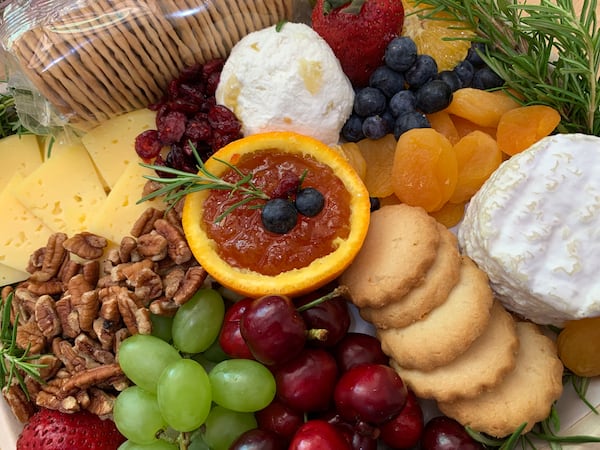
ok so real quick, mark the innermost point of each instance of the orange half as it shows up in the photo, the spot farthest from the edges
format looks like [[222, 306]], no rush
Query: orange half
[[296, 281]]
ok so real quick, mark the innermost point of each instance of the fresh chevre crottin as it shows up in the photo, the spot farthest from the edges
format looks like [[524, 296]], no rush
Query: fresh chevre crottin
[[534, 227], [286, 79]]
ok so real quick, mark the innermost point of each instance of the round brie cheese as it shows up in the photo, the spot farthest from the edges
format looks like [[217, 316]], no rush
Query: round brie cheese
[[286, 79], [534, 227]]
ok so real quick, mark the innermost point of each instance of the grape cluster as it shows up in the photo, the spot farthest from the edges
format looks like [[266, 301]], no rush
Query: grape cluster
[[188, 117], [408, 86]]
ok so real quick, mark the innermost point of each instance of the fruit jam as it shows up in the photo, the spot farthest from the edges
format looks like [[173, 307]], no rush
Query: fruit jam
[[243, 242]]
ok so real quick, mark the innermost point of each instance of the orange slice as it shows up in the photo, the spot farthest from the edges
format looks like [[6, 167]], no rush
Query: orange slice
[[241, 254], [445, 40]]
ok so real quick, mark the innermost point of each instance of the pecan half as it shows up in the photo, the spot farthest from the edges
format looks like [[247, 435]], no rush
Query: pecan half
[[193, 280], [145, 223], [178, 248], [46, 316], [54, 256], [86, 245]]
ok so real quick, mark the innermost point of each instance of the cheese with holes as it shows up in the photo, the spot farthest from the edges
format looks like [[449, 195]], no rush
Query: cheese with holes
[[8, 275], [64, 191], [18, 154], [21, 232], [111, 144], [115, 217], [534, 227]]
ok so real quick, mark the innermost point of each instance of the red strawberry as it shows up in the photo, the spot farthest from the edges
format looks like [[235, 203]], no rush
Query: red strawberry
[[358, 31], [54, 430]]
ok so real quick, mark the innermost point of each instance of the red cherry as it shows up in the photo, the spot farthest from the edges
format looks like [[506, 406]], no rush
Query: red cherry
[[444, 433], [273, 329], [371, 393], [331, 315], [358, 348], [306, 383], [230, 337], [280, 418], [404, 430], [318, 435]]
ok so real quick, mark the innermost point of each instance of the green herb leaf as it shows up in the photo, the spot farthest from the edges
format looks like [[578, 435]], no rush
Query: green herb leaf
[[548, 53]]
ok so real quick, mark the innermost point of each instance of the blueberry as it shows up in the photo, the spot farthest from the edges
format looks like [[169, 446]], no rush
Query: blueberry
[[473, 55], [450, 78], [424, 69], [400, 54], [279, 216], [408, 121], [464, 70], [433, 96], [352, 129], [387, 80], [375, 127], [375, 203], [486, 78], [369, 101], [309, 201], [403, 102]]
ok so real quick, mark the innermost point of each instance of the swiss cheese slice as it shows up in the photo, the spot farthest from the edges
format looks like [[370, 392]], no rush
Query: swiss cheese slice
[[111, 144], [64, 191], [21, 232], [18, 153], [120, 210], [8, 275]]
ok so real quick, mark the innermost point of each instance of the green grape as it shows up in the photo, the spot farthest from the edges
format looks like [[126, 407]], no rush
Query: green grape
[[156, 445], [197, 323], [242, 385], [184, 395], [137, 415], [215, 353], [223, 426], [161, 327], [143, 358]]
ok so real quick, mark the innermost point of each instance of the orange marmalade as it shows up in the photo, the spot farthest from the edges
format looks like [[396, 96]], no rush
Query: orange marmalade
[[242, 240]]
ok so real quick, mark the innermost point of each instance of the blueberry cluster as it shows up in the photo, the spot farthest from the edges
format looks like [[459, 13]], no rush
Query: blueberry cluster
[[407, 87], [280, 215]]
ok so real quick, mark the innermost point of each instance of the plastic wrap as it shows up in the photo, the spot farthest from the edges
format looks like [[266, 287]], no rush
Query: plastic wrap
[[82, 62]]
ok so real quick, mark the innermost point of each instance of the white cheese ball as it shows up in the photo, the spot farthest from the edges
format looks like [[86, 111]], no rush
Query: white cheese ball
[[534, 227], [286, 80]]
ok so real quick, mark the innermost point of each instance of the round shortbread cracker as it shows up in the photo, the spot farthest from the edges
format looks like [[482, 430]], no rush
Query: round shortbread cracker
[[482, 366], [448, 330], [525, 395], [400, 247], [439, 280]]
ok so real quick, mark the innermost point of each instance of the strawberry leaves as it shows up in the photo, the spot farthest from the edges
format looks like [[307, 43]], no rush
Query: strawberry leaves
[[354, 7]]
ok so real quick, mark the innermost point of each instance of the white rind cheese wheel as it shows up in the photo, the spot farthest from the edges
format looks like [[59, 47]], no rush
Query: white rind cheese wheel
[[534, 227]]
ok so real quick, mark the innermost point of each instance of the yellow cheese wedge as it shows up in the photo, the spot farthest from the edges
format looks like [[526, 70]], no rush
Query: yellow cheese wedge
[[21, 232], [111, 144], [63, 191], [8, 275], [116, 216], [18, 153]]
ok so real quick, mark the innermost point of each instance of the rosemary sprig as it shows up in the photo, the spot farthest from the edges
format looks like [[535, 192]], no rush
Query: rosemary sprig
[[184, 183], [14, 362], [9, 120], [548, 53]]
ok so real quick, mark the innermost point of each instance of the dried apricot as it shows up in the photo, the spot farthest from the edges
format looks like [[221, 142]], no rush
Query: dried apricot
[[450, 214], [464, 127], [378, 155], [579, 346], [351, 152], [477, 155], [425, 170], [522, 127], [442, 122], [481, 107]]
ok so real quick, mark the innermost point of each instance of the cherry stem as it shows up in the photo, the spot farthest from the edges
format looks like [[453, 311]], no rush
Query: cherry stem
[[340, 291]]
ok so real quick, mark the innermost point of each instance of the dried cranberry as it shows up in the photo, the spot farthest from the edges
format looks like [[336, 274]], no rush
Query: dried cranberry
[[183, 105], [287, 187], [212, 66], [147, 144], [191, 73], [220, 140], [212, 82], [172, 127], [195, 93], [179, 159], [160, 162], [223, 119], [173, 88], [198, 129]]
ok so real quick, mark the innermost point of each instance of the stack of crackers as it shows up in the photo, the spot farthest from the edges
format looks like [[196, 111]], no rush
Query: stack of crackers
[[98, 59], [447, 337]]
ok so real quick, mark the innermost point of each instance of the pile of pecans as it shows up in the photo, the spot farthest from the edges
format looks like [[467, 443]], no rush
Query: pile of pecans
[[84, 298]]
